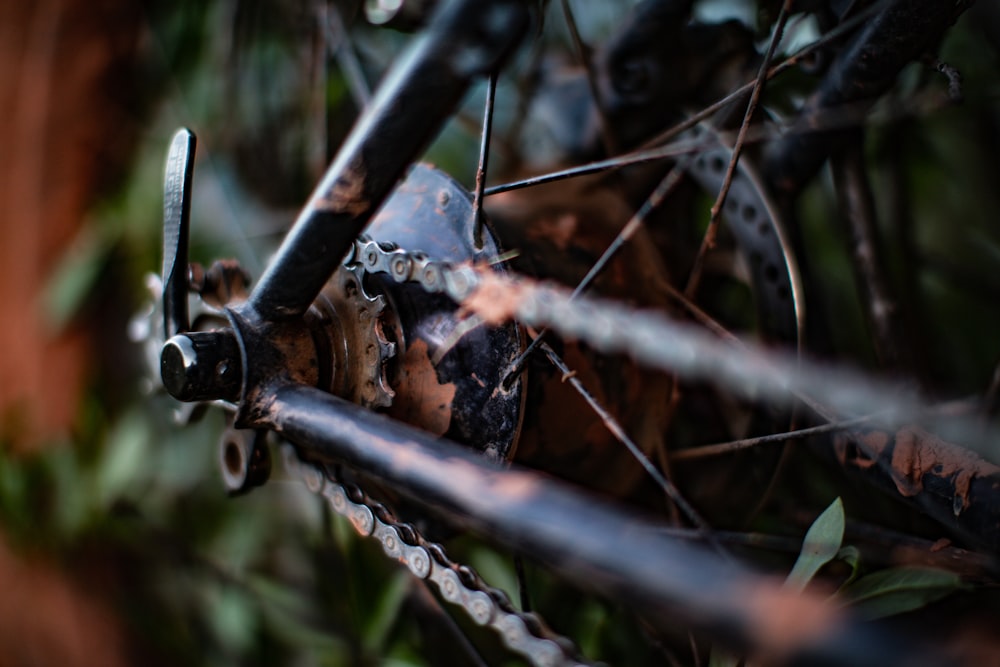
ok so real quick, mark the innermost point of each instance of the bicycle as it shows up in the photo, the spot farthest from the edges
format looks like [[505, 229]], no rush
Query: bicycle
[[389, 300]]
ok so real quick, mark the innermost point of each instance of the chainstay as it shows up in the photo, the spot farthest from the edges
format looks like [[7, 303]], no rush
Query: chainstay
[[524, 633]]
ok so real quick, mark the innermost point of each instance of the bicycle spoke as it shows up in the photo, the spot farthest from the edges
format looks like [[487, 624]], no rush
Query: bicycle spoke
[[342, 49], [484, 155], [665, 186], [393, 131], [700, 316], [842, 30], [848, 115], [668, 487], [661, 192], [656, 147], [678, 149], [765, 375], [708, 242], [639, 402]]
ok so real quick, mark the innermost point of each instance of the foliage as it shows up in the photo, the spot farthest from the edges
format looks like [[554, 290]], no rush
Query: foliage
[[270, 578], [820, 546]]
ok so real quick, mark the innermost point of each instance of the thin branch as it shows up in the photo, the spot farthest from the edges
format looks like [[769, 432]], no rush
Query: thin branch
[[708, 242], [857, 205], [954, 80], [649, 152], [756, 540], [746, 443], [522, 583]]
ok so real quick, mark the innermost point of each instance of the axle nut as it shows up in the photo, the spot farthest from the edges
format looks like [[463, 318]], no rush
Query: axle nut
[[202, 366]]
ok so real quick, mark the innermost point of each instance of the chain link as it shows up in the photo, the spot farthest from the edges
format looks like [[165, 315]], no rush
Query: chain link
[[523, 633], [434, 276], [755, 371]]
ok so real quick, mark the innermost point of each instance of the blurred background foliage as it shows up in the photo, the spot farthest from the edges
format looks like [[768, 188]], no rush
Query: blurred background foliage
[[126, 509]]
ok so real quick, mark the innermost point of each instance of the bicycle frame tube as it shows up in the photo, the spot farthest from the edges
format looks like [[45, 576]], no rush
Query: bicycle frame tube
[[466, 39], [863, 71], [584, 539]]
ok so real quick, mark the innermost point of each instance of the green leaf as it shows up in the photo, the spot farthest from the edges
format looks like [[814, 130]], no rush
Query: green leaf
[[494, 568], [279, 596], [592, 620], [71, 502], [852, 557], [898, 590], [389, 607], [122, 465], [290, 613], [232, 618], [820, 546]]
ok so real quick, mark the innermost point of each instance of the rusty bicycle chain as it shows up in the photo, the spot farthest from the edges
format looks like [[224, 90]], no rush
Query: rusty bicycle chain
[[523, 633], [615, 328], [405, 266], [597, 322]]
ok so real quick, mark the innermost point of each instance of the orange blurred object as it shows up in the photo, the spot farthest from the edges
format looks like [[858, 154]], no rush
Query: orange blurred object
[[64, 84], [45, 619]]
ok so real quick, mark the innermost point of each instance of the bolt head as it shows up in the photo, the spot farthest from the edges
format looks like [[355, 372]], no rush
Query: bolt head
[[202, 366]]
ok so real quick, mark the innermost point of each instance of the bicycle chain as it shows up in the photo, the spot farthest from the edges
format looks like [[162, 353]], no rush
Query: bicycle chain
[[404, 266], [523, 633]]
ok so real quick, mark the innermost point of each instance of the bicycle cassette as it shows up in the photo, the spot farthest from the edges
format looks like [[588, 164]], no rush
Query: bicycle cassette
[[397, 345]]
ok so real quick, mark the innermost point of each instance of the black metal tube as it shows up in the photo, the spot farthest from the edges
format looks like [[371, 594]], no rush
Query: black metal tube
[[598, 546], [862, 72], [868, 258], [947, 482], [466, 39]]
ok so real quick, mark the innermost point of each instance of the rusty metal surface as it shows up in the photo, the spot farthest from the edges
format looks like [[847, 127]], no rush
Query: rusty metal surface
[[403, 334], [946, 481], [449, 386], [352, 324], [596, 545], [559, 231], [271, 353]]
